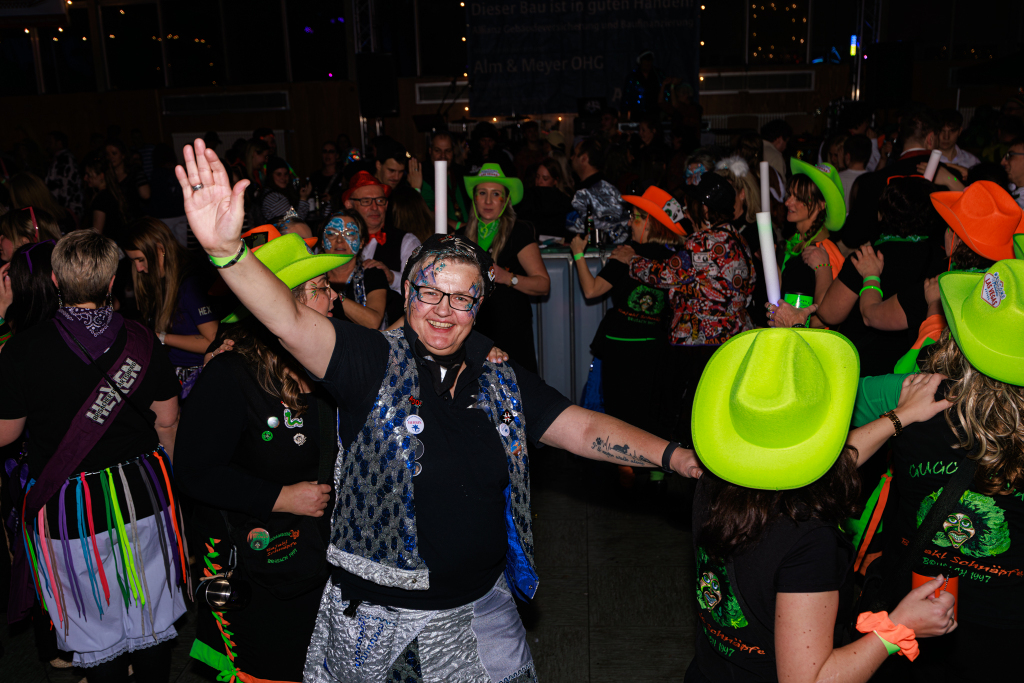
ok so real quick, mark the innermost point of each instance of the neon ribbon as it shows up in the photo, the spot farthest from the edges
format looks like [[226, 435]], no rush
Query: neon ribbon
[[95, 546], [159, 521], [168, 528], [90, 566], [29, 549], [174, 519], [138, 552], [122, 537], [65, 547], [115, 543], [51, 585], [42, 563], [51, 559]]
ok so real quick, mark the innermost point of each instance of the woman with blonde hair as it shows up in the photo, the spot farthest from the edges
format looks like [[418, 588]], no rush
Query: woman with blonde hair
[[519, 270], [28, 190], [748, 202], [25, 226], [171, 301]]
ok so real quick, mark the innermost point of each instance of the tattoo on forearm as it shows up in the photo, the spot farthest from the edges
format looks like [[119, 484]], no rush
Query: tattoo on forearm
[[620, 452]]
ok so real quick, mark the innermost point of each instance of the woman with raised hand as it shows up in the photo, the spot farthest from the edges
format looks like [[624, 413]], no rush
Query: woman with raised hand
[[260, 476], [437, 434], [773, 580]]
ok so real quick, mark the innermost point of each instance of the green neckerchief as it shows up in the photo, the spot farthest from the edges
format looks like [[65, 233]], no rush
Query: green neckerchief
[[791, 247], [486, 232], [894, 238]]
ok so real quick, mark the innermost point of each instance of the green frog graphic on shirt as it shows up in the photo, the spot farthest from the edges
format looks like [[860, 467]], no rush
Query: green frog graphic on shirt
[[975, 527], [714, 593]]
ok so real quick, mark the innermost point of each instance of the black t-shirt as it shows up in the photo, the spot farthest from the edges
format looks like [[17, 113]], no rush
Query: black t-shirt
[[981, 541], [460, 501], [862, 223], [373, 279], [46, 382], [114, 220], [797, 277], [639, 312], [546, 208], [907, 265], [738, 642], [506, 316]]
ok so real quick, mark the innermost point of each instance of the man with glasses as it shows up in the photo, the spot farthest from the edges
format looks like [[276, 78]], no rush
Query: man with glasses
[[388, 248], [432, 531], [1013, 162], [442, 148]]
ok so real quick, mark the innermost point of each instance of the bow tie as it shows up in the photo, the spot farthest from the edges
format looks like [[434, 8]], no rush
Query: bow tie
[[380, 236]]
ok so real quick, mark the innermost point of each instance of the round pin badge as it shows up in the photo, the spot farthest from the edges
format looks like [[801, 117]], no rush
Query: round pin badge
[[299, 439], [258, 538], [267, 436], [414, 424], [273, 422], [503, 429]]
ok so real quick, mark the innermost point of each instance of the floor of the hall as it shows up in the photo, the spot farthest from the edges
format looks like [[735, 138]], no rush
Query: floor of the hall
[[616, 598]]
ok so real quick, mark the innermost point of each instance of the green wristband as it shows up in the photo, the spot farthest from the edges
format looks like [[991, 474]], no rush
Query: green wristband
[[889, 647], [872, 278], [577, 257], [227, 261], [867, 287]]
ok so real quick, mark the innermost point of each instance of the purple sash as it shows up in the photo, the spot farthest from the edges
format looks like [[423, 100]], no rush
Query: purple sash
[[100, 409]]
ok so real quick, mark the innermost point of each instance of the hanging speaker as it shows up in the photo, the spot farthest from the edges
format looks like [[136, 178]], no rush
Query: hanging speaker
[[377, 77]]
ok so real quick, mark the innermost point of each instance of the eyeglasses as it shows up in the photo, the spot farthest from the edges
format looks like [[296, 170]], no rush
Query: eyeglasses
[[1013, 154], [366, 201], [29, 258], [432, 297]]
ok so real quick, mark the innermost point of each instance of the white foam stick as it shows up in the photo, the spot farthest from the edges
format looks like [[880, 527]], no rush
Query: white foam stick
[[765, 206], [441, 197], [933, 164], [771, 268]]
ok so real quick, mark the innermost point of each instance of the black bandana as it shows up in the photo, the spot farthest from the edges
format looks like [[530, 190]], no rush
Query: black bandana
[[435, 362]]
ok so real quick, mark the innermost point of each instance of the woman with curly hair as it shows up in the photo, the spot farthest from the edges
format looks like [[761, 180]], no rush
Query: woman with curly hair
[[254, 472], [773, 581], [171, 300], [981, 427]]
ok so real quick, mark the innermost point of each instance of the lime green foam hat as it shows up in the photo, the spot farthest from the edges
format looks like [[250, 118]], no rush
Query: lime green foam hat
[[1018, 246], [826, 177], [492, 173], [288, 258], [773, 407], [985, 313]]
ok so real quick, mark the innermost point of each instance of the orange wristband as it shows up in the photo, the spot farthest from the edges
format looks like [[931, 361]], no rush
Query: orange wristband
[[897, 634]]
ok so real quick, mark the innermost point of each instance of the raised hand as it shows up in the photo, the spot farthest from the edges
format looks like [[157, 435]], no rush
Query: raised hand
[[215, 210]]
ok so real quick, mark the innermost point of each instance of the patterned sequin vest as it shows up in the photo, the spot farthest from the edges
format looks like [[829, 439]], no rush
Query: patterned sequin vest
[[373, 527]]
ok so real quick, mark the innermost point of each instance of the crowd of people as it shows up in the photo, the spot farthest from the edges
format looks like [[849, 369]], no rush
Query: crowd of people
[[283, 402]]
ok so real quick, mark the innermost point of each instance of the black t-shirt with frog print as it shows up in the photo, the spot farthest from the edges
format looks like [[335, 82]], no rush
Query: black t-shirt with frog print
[[982, 539], [736, 600]]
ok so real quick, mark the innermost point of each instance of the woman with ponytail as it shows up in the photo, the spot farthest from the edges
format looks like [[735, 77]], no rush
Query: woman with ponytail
[[507, 318]]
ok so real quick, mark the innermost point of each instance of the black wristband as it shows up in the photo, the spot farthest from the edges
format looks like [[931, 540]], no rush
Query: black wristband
[[666, 457]]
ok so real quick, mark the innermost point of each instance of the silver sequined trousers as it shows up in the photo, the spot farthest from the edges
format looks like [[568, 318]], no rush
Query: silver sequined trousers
[[482, 642]]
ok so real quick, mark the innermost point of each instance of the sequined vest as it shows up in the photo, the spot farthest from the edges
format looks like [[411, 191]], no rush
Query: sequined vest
[[373, 527]]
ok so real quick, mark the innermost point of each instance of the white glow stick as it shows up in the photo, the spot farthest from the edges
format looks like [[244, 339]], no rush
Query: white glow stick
[[765, 197], [771, 268], [933, 164], [441, 197]]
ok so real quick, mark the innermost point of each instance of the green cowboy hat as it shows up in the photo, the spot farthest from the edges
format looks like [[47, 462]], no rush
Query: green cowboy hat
[[773, 407], [985, 312], [492, 173], [288, 259], [826, 177]]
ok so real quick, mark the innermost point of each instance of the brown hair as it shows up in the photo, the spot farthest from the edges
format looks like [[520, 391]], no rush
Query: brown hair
[[738, 516], [657, 233], [99, 163], [807, 193], [157, 296], [555, 169], [28, 190], [411, 215], [987, 416], [17, 224], [84, 263]]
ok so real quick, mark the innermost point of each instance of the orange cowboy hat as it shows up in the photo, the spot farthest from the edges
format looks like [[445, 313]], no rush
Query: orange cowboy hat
[[254, 237], [660, 204], [984, 216]]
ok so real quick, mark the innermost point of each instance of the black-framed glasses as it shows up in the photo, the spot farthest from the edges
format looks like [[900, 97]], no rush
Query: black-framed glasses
[[29, 258], [1013, 154], [432, 297], [366, 201]]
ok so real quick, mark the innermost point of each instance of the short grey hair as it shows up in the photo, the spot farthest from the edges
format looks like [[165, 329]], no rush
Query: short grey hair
[[84, 263]]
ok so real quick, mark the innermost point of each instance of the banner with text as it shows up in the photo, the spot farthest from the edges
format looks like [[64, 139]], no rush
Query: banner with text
[[542, 57]]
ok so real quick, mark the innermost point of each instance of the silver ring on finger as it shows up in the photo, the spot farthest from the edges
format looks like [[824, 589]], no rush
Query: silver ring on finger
[[196, 188]]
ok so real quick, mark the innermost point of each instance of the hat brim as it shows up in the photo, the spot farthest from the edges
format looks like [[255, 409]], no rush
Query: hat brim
[[1018, 246], [737, 460], [294, 274], [513, 185], [955, 287], [656, 211], [835, 204], [943, 203]]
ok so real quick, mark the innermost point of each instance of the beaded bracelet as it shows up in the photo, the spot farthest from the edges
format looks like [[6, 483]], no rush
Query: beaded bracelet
[[822, 265], [873, 278], [225, 262], [867, 287]]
